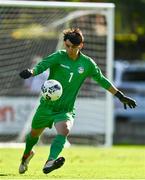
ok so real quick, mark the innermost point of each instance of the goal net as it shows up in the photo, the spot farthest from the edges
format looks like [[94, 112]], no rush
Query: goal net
[[30, 30]]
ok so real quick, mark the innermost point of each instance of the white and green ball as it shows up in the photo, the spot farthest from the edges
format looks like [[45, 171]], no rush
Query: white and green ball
[[51, 90]]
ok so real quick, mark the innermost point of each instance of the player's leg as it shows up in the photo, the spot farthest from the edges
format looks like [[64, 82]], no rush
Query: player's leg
[[31, 140], [63, 129], [39, 122]]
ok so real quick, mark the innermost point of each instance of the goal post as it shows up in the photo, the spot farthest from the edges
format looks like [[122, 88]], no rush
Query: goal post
[[30, 30]]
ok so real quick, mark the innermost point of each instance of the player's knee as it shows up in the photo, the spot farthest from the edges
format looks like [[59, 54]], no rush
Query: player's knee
[[65, 131], [62, 128], [35, 132]]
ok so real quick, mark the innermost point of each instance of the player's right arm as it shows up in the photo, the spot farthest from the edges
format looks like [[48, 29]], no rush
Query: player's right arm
[[25, 74], [42, 66]]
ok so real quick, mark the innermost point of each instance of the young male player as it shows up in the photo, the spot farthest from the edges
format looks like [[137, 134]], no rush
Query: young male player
[[70, 67]]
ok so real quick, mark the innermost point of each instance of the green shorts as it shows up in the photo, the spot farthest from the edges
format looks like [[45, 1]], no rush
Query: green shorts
[[45, 117]]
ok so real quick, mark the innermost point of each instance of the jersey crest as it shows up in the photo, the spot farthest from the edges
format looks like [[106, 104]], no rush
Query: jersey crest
[[80, 70]]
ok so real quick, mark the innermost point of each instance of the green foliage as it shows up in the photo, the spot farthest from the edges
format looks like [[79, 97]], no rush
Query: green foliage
[[81, 163], [129, 29]]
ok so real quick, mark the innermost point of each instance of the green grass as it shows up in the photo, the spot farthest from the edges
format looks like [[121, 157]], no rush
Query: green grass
[[119, 162]]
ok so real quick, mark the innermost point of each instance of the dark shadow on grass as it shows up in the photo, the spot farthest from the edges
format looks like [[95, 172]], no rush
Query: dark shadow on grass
[[1, 174]]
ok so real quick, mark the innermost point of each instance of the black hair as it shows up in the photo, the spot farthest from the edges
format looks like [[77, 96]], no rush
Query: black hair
[[73, 35]]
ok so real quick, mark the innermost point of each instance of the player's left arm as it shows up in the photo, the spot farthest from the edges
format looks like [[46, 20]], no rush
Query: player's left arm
[[106, 84], [127, 101]]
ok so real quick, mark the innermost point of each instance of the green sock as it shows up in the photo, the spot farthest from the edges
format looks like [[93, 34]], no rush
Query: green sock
[[30, 142], [57, 146]]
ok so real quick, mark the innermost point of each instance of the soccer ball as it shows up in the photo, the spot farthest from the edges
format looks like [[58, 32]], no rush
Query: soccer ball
[[51, 90]]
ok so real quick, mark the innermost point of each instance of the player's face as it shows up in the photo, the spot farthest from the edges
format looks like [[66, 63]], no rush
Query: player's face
[[72, 49]]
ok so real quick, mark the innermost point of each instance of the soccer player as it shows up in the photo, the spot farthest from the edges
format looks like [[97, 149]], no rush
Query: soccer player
[[70, 67]]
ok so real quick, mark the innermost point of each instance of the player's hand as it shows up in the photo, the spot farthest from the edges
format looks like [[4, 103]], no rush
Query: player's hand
[[26, 73], [127, 101]]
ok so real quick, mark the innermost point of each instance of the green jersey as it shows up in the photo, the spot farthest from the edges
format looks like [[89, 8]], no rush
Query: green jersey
[[71, 74]]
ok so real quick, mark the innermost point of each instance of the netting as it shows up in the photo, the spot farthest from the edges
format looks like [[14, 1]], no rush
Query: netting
[[29, 33]]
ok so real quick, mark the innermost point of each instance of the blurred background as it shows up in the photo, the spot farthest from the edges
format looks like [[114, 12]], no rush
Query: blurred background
[[128, 63]]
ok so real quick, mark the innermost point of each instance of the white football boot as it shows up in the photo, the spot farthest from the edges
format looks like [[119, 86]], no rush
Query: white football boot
[[25, 161]]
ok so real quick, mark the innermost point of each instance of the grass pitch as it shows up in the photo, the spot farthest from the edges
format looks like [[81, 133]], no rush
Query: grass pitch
[[119, 162]]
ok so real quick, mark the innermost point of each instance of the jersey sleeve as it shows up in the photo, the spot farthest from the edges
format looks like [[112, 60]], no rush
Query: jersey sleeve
[[46, 63], [99, 77]]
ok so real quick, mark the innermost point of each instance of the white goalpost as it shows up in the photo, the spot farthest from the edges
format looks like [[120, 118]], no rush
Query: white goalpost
[[30, 30]]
